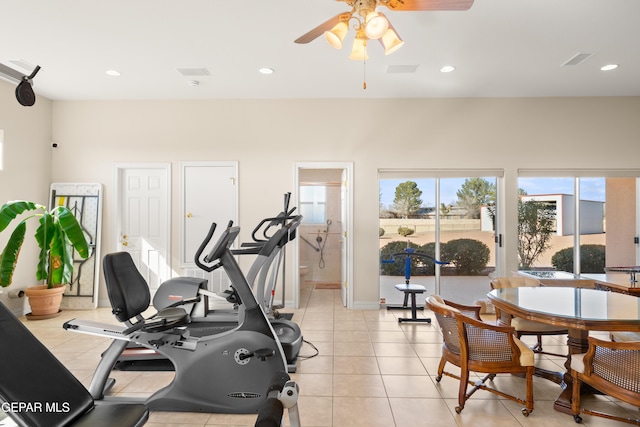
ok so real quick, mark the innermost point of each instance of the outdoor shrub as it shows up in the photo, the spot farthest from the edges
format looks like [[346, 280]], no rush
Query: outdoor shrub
[[429, 267], [405, 231], [397, 267], [468, 256], [380, 232], [592, 259]]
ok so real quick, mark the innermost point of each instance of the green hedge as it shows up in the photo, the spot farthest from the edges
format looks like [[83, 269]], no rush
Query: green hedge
[[469, 257], [592, 259], [405, 231]]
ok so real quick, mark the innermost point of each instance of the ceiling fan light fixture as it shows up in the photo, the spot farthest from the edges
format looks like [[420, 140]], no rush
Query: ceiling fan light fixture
[[391, 41], [359, 49], [336, 35], [375, 25]]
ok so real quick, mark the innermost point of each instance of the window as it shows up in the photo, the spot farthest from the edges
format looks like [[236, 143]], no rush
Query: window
[[313, 204], [593, 213]]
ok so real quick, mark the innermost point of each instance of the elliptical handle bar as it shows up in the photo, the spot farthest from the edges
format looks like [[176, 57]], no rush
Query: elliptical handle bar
[[281, 219], [203, 245]]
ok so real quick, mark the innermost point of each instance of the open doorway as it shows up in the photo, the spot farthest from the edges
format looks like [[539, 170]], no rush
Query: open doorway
[[323, 249]]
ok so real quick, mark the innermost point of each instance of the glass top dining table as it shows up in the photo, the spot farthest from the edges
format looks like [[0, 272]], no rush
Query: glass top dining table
[[580, 310], [574, 308]]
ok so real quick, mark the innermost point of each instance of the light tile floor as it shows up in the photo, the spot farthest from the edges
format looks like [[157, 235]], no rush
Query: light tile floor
[[370, 371]]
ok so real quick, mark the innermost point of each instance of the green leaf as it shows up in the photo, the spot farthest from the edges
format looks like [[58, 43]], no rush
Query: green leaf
[[9, 256], [57, 258], [10, 210], [57, 235], [72, 230], [44, 235]]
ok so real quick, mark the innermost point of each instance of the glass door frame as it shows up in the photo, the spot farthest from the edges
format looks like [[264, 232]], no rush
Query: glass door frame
[[438, 175]]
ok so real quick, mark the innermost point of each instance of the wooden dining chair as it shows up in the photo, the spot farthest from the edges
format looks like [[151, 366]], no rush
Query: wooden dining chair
[[613, 368], [476, 346], [526, 327]]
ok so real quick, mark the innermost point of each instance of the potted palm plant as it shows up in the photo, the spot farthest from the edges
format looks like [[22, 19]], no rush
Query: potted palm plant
[[57, 235]]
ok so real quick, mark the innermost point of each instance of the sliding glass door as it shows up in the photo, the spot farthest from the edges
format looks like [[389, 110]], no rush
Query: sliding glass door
[[578, 224], [451, 216]]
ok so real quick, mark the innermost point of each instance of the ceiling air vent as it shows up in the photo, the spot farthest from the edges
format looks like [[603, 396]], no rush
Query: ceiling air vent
[[401, 69], [578, 58], [190, 72]]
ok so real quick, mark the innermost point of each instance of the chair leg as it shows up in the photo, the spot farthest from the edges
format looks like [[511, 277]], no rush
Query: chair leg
[[441, 369], [538, 347], [575, 397], [529, 393], [462, 390]]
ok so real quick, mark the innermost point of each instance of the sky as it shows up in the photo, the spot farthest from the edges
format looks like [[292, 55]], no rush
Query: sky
[[590, 188]]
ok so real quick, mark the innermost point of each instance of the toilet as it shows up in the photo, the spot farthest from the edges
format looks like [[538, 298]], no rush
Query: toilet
[[304, 270]]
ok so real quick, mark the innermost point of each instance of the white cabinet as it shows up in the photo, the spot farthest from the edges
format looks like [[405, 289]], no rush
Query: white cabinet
[[209, 193]]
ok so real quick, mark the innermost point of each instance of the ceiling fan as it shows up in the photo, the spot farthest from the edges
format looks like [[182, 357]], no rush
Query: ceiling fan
[[372, 25]]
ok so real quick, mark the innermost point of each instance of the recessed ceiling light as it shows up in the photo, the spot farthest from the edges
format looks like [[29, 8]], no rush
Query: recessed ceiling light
[[266, 70], [112, 73], [447, 69], [609, 67]]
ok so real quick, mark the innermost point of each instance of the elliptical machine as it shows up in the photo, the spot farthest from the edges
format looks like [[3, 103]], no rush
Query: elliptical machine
[[262, 276], [228, 371]]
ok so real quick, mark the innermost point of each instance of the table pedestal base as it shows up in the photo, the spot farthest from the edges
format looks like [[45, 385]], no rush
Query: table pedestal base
[[578, 343]]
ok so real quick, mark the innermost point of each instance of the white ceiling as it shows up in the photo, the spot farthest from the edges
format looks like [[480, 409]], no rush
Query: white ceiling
[[500, 48]]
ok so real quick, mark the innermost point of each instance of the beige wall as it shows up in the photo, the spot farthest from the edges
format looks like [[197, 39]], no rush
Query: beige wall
[[26, 173], [268, 136]]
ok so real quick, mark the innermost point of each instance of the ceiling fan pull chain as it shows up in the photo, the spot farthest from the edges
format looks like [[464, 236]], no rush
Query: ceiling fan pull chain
[[364, 68]]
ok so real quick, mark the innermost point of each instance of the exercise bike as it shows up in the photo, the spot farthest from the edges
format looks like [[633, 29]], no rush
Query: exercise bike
[[262, 276], [227, 371]]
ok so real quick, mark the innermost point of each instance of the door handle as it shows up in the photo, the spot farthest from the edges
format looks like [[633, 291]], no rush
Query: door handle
[[125, 243]]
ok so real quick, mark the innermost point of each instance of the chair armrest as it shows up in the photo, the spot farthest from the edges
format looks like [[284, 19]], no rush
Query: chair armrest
[[472, 311], [594, 354], [612, 367]]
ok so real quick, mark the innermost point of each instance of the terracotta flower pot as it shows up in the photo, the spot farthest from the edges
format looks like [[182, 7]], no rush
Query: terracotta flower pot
[[44, 302]]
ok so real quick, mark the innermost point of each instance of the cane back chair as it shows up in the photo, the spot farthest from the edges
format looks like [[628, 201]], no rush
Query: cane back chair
[[525, 327], [476, 346], [613, 368]]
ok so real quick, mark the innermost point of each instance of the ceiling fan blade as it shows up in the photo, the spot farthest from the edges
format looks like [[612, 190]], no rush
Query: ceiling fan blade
[[409, 5], [320, 29]]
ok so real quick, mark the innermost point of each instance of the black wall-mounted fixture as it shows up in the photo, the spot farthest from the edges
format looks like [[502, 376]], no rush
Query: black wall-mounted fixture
[[24, 91]]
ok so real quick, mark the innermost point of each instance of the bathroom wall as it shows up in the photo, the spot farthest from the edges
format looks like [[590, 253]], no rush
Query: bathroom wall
[[320, 245]]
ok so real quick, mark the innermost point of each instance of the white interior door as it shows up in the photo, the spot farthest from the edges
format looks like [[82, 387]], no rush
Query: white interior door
[[144, 218], [209, 194]]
